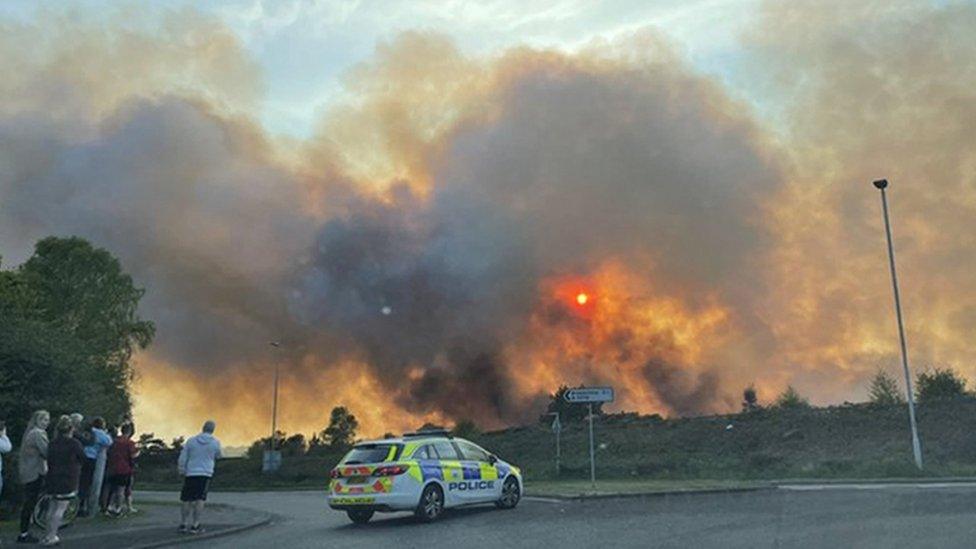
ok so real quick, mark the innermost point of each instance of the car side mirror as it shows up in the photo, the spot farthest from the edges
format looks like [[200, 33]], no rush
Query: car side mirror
[[492, 459]]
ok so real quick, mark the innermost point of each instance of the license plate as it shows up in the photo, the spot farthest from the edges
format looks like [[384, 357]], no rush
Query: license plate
[[353, 501], [356, 480]]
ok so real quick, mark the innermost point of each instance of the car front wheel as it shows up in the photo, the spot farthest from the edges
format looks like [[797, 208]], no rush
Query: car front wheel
[[511, 494]]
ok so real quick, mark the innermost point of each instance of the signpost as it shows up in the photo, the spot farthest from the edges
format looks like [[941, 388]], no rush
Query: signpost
[[589, 395], [556, 428]]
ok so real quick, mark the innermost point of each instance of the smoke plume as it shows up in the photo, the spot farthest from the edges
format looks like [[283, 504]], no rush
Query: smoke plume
[[422, 256]]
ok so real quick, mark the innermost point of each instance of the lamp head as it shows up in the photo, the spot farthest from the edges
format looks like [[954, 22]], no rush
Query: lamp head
[[881, 184]]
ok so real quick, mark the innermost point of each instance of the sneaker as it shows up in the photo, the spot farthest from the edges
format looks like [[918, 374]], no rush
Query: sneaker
[[51, 542], [182, 529], [27, 538], [196, 529]]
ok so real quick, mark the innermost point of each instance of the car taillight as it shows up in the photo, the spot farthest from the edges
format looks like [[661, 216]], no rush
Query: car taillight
[[389, 470], [334, 473]]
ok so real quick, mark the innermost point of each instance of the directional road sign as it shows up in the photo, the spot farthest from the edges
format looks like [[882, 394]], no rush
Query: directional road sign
[[590, 394]]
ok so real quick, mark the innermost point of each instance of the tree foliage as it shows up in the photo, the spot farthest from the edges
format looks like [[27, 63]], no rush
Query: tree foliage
[[790, 398], [341, 431], [466, 428], [939, 384], [884, 389], [568, 412], [750, 401], [68, 328]]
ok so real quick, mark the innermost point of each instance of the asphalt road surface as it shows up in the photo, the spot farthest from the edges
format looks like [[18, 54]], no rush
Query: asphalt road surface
[[865, 516]]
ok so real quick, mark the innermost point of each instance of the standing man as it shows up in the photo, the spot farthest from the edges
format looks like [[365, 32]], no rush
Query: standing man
[[100, 441], [65, 457], [196, 465]]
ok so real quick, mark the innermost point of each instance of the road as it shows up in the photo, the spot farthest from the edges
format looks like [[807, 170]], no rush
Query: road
[[866, 516]]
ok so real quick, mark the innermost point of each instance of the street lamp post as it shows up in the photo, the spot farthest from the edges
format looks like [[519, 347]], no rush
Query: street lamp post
[[882, 184], [272, 459]]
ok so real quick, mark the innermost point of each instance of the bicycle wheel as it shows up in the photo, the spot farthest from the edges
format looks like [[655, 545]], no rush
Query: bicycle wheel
[[71, 512], [41, 512]]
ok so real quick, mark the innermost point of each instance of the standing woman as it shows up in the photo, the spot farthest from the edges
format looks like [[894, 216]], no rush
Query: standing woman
[[4, 448], [65, 458], [32, 466]]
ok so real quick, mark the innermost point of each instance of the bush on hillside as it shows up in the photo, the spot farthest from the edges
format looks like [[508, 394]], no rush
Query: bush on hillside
[[750, 401], [466, 428], [939, 384], [884, 390], [791, 399]]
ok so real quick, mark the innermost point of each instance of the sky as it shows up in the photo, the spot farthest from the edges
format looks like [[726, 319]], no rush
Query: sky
[[411, 197], [305, 47]]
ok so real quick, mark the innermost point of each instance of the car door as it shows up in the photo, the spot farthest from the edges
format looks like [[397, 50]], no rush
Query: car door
[[453, 476], [480, 472]]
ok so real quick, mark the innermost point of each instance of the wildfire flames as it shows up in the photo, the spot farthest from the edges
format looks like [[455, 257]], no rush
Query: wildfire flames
[[464, 234]]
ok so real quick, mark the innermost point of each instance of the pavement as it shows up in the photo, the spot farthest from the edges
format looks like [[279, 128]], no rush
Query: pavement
[[155, 525], [808, 515], [883, 515]]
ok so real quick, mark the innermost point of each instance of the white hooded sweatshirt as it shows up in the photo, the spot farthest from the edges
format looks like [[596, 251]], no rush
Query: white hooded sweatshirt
[[198, 456]]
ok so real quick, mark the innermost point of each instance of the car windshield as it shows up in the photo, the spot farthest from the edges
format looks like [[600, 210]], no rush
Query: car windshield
[[372, 453]]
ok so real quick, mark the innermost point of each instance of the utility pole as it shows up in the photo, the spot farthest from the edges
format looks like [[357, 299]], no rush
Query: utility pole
[[882, 184]]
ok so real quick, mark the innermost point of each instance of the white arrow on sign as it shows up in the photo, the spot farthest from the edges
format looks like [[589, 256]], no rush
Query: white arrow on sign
[[590, 394]]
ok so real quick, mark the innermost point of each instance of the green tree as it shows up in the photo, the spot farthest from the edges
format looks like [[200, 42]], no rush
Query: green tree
[[68, 326], [939, 384], [568, 412], [750, 401], [466, 428], [341, 431], [790, 398], [884, 389]]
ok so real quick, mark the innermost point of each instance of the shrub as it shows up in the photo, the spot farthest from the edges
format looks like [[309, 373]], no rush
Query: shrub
[[884, 389], [750, 401], [790, 398], [939, 384]]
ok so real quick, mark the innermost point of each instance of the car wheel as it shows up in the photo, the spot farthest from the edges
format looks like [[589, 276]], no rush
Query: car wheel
[[511, 494], [360, 516], [431, 503]]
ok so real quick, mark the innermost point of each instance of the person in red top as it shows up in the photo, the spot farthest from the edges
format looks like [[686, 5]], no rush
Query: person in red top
[[120, 467]]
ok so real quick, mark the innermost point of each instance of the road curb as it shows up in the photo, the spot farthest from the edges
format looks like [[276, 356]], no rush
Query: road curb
[[660, 493], [897, 480], [210, 535], [207, 536]]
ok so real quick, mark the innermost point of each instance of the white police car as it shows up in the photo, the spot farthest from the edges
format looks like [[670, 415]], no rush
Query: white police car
[[423, 472]]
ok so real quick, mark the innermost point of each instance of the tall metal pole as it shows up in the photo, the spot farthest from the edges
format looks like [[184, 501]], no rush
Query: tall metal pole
[[882, 184], [592, 459], [274, 406], [558, 431]]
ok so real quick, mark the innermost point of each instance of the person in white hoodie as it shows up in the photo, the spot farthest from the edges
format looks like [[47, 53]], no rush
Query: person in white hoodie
[[5, 447], [196, 465]]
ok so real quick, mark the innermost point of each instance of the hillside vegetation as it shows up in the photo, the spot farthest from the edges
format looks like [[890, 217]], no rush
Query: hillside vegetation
[[853, 441]]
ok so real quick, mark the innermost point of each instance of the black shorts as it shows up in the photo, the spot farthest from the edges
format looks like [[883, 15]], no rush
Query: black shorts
[[195, 489], [120, 481]]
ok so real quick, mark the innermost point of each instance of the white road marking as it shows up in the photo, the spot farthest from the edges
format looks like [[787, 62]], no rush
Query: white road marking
[[886, 486]]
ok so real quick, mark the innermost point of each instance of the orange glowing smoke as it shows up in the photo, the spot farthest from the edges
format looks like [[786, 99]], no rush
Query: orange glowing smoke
[[634, 325]]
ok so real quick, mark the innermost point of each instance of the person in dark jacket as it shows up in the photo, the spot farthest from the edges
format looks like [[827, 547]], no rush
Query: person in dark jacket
[[65, 456]]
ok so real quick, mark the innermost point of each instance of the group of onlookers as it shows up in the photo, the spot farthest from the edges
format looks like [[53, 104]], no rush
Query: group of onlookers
[[96, 465]]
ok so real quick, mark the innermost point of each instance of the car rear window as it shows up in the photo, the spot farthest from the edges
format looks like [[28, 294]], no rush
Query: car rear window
[[372, 453]]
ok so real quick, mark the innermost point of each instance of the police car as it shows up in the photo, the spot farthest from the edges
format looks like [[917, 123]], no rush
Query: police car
[[423, 472]]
